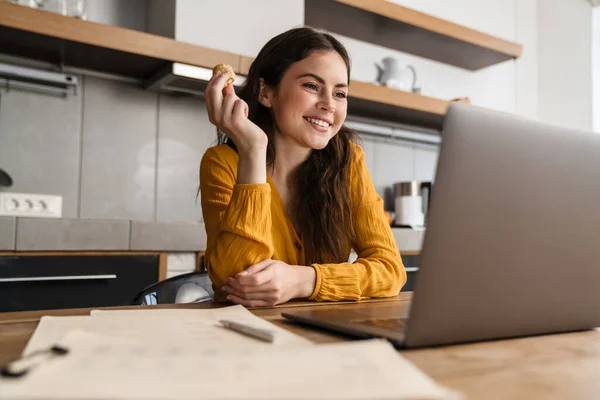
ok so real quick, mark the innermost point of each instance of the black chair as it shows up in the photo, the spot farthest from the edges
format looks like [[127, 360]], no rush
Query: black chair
[[194, 287]]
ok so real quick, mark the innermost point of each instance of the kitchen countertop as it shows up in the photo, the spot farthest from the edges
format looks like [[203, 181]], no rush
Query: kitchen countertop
[[70, 234]]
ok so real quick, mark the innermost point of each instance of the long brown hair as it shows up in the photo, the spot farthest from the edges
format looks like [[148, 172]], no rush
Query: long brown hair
[[322, 208]]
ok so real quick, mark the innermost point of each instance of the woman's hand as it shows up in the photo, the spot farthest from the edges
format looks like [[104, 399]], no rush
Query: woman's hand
[[270, 282], [229, 113]]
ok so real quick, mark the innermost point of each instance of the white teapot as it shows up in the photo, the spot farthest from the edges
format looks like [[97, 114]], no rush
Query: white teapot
[[394, 76]]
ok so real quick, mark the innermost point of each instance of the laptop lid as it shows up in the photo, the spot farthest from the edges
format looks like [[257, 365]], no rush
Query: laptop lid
[[512, 243], [512, 246]]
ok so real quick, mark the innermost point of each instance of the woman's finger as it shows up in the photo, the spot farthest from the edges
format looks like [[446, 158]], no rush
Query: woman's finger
[[249, 303], [245, 289], [266, 295], [256, 267], [240, 110], [207, 90], [213, 95], [229, 100], [257, 278], [217, 82]]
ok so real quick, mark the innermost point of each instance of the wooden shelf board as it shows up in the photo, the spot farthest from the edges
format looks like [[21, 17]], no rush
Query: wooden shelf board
[[390, 25], [395, 105], [54, 38], [410, 253]]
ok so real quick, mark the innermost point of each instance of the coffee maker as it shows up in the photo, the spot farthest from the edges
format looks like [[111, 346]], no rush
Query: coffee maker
[[411, 200]]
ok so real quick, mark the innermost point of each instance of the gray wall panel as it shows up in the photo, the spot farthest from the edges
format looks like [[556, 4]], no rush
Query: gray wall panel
[[393, 163], [184, 135], [39, 144], [119, 151]]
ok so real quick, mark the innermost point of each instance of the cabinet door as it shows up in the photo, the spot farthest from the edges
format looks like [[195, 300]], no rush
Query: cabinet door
[[411, 263], [51, 282]]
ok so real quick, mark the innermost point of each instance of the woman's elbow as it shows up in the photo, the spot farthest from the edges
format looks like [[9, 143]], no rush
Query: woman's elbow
[[217, 278], [398, 278]]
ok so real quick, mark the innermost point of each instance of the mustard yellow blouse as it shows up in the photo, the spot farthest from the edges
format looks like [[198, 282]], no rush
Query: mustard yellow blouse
[[248, 223]]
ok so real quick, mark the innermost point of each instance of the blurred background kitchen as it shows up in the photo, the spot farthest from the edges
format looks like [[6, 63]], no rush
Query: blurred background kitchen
[[102, 159]]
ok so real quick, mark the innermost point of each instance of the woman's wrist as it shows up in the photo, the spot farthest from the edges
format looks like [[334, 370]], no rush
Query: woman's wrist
[[252, 166], [306, 278]]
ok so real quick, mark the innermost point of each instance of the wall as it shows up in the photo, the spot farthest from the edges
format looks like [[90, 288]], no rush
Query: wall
[[564, 57], [226, 24], [117, 151], [114, 151], [129, 14], [596, 68], [510, 86]]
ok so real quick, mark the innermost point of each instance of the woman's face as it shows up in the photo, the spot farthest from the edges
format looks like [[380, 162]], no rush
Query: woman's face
[[310, 103]]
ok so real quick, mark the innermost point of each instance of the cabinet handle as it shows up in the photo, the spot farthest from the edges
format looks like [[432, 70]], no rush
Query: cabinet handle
[[411, 269], [59, 278]]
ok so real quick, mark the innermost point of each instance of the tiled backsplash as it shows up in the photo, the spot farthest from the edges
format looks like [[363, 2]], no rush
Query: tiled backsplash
[[116, 151]]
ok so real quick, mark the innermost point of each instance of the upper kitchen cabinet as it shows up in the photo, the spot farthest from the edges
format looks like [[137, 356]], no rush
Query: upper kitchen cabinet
[[60, 40], [390, 25]]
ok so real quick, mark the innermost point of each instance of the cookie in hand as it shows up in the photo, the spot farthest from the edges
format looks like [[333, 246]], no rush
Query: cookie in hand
[[223, 68]]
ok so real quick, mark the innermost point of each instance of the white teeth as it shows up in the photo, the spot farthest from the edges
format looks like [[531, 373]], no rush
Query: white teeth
[[318, 122]]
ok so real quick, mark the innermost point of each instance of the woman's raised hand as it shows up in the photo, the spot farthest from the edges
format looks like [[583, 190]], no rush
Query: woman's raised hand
[[229, 113]]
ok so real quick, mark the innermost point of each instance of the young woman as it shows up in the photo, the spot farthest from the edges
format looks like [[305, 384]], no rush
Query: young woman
[[286, 194]]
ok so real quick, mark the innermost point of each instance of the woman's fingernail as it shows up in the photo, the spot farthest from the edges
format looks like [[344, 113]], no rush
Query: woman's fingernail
[[228, 297]]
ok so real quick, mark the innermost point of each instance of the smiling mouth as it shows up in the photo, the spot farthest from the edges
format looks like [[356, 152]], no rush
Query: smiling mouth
[[318, 123]]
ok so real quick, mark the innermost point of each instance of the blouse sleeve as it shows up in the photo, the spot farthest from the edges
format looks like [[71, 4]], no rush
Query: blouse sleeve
[[237, 217], [378, 271]]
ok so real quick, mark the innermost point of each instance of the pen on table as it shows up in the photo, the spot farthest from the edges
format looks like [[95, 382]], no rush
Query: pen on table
[[257, 333]]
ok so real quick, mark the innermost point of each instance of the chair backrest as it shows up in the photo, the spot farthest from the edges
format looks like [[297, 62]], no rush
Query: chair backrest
[[194, 287]]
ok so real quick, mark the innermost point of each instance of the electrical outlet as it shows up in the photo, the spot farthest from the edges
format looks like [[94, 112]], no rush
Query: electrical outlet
[[30, 205]]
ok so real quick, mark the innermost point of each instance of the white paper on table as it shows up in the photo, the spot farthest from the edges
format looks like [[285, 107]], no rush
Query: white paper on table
[[197, 331], [102, 367]]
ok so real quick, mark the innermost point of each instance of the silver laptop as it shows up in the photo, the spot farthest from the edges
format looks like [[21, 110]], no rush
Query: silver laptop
[[512, 246]]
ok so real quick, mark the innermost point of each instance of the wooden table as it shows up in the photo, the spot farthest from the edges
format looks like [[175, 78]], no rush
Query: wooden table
[[565, 366]]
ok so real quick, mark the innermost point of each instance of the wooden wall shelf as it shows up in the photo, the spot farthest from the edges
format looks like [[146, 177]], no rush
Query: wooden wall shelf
[[50, 37], [381, 102], [390, 25]]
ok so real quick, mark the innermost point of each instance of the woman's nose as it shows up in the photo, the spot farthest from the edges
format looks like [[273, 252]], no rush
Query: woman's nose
[[327, 104]]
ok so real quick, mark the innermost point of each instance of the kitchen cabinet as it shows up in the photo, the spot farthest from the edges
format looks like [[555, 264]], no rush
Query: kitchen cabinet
[[411, 261], [55, 280]]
